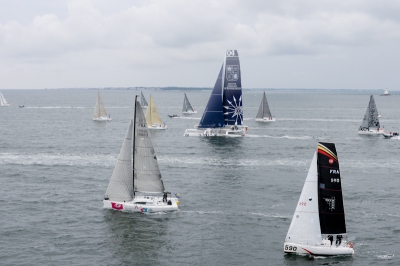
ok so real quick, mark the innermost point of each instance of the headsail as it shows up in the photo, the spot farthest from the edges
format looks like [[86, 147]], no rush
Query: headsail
[[143, 101], [152, 116], [371, 119], [147, 175], [120, 187], [213, 115], [331, 210], [186, 105], [264, 110], [232, 89], [99, 110], [304, 228]]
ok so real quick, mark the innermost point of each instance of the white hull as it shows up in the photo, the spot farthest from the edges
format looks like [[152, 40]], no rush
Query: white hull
[[5, 105], [189, 112], [102, 118], [216, 132], [145, 204], [265, 119], [320, 250], [158, 127], [371, 132]]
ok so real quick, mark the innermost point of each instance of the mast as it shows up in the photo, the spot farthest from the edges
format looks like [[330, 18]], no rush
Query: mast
[[133, 149]]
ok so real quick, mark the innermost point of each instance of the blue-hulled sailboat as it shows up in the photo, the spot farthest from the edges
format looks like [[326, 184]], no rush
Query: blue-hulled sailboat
[[223, 115]]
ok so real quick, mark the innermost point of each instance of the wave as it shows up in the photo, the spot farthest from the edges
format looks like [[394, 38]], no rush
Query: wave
[[279, 137], [270, 215], [58, 159]]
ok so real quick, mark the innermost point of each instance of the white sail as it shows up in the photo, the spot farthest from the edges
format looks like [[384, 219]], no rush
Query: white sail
[[371, 120], [147, 175], [263, 110], [152, 116], [120, 187], [99, 110], [3, 101], [305, 227], [187, 107]]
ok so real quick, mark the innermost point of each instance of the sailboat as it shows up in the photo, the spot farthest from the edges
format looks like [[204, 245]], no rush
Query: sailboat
[[264, 114], [319, 216], [143, 101], [136, 184], [100, 113], [152, 117], [386, 93], [3, 101], [370, 124], [223, 115], [187, 108]]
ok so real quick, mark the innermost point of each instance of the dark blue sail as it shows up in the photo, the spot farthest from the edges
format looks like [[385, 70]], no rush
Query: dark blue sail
[[232, 90], [213, 114]]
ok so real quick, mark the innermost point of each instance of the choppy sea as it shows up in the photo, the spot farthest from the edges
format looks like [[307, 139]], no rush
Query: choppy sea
[[238, 195]]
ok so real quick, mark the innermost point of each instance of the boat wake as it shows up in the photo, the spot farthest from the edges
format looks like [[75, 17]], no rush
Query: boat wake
[[279, 137]]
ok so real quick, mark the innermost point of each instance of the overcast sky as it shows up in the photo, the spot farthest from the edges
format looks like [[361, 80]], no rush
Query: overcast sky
[[350, 44]]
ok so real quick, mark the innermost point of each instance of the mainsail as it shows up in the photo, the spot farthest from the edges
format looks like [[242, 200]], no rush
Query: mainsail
[[213, 115], [232, 89], [331, 210], [264, 111], [371, 119], [143, 101], [147, 175], [3, 101], [152, 116], [99, 110], [120, 187], [186, 105]]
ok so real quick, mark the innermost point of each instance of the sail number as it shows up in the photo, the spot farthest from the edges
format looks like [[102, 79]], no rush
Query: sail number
[[290, 248], [303, 203]]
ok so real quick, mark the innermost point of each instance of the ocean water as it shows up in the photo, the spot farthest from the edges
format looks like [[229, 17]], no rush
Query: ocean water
[[238, 194]]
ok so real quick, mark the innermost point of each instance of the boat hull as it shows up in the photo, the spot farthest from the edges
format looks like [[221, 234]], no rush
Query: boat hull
[[216, 132], [371, 132], [265, 120], [320, 250], [158, 127], [189, 112], [144, 204], [102, 118]]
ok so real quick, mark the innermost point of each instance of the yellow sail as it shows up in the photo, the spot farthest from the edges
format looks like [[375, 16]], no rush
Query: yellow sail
[[152, 116]]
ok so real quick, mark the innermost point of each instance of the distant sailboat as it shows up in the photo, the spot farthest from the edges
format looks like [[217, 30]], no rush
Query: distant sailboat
[[370, 124], [100, 113], [319, 214], [3, 101], [152, 117], [223, 115], [136, 184], [386, 93], [187, 108], [143, 101], [264, 114]]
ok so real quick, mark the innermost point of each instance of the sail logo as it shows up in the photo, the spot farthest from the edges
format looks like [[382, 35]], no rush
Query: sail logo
[[232, 72], [117, 206], [334, 171], [331, 203], [335, 180], [230, 53]]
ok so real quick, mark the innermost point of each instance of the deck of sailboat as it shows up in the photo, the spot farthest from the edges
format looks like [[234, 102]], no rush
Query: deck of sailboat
[[371, 132], [102, 118], [318, 250], [265, 119], [144, 204], [216, 132]]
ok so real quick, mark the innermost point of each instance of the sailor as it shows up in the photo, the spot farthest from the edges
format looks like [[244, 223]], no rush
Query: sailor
[[165, 197], [330, 238], [338, 240]]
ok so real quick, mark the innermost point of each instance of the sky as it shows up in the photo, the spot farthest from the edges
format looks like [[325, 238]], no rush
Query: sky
[[352, 44]]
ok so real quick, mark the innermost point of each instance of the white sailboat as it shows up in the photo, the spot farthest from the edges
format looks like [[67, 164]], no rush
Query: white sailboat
[[3, 101], [223, 115], [143, 101], [264, 113], [100, 113], [187, 108], [386, 93], [153, 118], [370, 124], [136, 184], [318, 226]]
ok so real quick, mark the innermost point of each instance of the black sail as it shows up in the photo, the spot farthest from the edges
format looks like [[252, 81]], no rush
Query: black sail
[[331, 210]]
